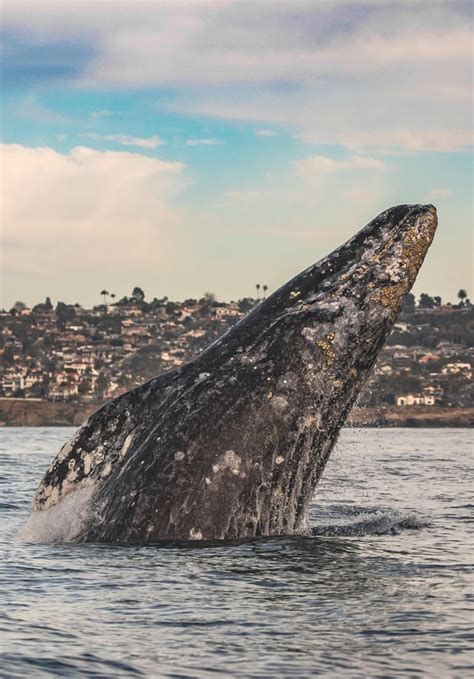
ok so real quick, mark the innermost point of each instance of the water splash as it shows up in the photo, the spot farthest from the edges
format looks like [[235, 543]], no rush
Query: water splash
[[63, 522], [360, 521]]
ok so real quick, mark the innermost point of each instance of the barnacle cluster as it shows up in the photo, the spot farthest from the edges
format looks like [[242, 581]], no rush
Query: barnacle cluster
[[326, 346]]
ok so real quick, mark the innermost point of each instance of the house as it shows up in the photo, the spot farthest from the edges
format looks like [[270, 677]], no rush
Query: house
[[426, 358], [415, 400], [13, 382], [62, 392], [463, 369], [383, 369], [226, 312]]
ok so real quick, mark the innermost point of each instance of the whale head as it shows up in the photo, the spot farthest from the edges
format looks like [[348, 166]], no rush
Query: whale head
[[344, 305], [356, 292]]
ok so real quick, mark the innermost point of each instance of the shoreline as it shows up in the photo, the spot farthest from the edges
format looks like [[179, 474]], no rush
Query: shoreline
[[41, 413]]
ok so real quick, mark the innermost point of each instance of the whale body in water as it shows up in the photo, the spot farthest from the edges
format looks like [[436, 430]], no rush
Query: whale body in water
[[232, 444]]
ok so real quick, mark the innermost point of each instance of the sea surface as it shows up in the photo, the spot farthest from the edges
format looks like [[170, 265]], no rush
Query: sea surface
[[383, 587]]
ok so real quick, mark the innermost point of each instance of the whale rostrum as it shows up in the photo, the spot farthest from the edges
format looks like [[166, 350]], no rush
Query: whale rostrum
[[233, 443]]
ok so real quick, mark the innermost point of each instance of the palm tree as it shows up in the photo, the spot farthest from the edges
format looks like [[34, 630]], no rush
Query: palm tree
[[462, 294], [265, 288], [258, 290], [112, 295], [104, 294]]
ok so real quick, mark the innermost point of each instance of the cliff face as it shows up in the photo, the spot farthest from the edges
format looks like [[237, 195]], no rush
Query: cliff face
[[418, 416], [32, 413]]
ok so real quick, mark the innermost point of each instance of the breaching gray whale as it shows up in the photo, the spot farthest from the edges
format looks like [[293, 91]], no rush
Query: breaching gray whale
[[232, 444]]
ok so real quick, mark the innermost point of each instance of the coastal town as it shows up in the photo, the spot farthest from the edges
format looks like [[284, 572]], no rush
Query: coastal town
[[69, 354]]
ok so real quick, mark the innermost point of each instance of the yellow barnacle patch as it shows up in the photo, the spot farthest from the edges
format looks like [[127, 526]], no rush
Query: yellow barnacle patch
[[415, 246], [391, 296], [326, 346]]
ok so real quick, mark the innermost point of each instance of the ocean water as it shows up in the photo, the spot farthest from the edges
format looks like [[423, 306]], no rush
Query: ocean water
[[383, 587]]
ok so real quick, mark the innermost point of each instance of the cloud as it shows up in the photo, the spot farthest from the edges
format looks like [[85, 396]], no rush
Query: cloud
[[87, 211], [347, 177], [202, 142], [318, 165], [440, 193], [263, 132], [363, 74], [125, 140], [245, 196], [30, 107], [99, 115]]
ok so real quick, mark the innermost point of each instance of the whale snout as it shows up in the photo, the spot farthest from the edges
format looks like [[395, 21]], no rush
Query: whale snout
[[403, 246], [414, 238]]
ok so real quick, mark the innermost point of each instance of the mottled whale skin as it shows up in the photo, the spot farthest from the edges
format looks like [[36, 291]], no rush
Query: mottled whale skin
[[232, 444]]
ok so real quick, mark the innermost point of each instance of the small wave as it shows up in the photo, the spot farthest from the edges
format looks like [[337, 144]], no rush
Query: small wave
[[372, 522]]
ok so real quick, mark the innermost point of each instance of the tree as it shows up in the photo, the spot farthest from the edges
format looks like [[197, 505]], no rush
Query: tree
[[409, 303], [245, 304], [104, 294], [258, 290], [437, 300], [462, 294], [265, 288], [43, 306], [209, 298], [138, 295], [102, 383], [426, 302], [19, 306], [85, 386], [64, 313]]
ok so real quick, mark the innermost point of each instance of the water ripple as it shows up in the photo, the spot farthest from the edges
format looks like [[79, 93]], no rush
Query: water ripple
[[382, 586]]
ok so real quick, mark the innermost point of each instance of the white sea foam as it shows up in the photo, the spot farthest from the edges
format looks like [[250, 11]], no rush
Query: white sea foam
[[372, 522], [63, 522]]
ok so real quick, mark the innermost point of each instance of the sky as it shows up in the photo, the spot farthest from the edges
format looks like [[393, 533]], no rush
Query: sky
[[187, 147]]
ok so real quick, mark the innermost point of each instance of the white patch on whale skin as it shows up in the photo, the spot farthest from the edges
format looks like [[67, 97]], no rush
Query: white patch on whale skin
[[393, 271], [63, 522], [87, 463], [107, 469], [68, 446], [279, 404], [309, 420], [179, 455], [229, 460], [126, 446]]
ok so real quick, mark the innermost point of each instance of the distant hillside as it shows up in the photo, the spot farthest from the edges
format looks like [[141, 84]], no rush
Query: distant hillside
[[68, 354]]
